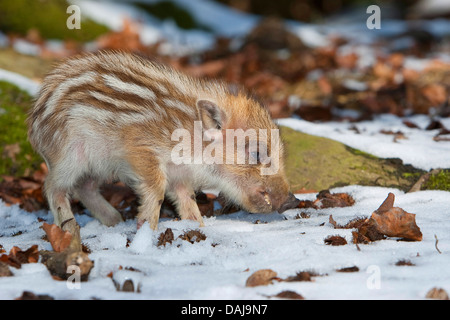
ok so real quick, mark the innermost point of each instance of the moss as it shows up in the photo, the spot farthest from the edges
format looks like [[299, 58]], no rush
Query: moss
[[48, 17], [319, 163], [438, 181], [169, 10], [14, 104]]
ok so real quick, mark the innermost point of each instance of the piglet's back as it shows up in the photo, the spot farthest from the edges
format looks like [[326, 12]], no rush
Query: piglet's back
[[105, 93]]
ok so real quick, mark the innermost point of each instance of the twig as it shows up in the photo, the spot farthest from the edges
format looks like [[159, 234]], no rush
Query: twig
[[435, 244], [422, 180]]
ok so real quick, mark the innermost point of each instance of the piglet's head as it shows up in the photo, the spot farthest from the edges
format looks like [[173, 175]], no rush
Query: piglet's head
[[248, 154]]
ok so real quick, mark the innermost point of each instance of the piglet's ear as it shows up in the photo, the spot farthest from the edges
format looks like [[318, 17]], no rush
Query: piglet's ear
[[211, 115]]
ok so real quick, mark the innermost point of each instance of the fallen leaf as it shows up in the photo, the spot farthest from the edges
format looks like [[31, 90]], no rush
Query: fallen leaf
[[300, 276], [396, 222], [27, 295], [325, 199], [404, 263], [261, 278], [193, 236], [335, 240], [287, 294], [165, 237], [437, 293], [58, 238], [354, 223], [17, 256], [388, 221], [348, 269]]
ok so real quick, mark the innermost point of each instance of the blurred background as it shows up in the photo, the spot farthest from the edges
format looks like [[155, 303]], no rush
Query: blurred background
[[315, 60]]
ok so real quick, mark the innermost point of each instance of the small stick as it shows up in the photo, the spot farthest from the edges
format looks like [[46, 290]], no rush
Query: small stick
[[435, 244]]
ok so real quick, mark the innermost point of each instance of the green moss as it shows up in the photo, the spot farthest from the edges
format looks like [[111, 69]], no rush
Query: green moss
[[319, 163], [438, 181], [14, 104], [169, 10], [48, 17]]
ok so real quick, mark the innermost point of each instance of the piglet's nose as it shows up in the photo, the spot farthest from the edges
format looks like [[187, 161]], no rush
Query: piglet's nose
[[290, 203]]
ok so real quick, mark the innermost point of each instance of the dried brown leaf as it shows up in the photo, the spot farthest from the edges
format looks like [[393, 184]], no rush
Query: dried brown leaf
[[261, 277], [335, 240], [437, 293], [58, 238], [287, 294], [165, 237], [193, 236], [17, 256]]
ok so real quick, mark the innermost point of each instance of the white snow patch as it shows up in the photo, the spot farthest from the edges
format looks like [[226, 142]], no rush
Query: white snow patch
[[419, 149], [235, 247], [22, 82]]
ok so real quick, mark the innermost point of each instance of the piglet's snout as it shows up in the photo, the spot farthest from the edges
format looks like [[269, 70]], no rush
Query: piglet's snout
[[290, 203]]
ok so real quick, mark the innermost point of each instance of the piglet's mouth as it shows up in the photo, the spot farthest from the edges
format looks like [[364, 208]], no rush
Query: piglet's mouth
[[290, 203], [267, 198]]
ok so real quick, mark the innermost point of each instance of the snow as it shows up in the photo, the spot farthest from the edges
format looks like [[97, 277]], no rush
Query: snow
[[235, 247], [32, 87]]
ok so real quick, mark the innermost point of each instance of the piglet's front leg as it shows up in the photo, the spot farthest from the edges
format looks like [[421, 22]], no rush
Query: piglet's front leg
[[150, 187], [183, 197]]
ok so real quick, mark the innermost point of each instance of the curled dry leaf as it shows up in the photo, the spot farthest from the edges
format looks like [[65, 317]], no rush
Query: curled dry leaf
[[165, 237], [387, 220], [437, 293], [335, 240], [28, 295], [193, 236], [395, 222], [287, 294], [17, 256], [58, 238], [261, 277]]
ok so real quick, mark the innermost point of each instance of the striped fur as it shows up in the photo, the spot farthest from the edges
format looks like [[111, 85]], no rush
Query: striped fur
[[110, 115]]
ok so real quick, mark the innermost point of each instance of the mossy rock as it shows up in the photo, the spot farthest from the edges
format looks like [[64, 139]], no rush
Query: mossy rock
[[16, 155], [49, 17], [438, 181], [29, 66], [170, 10], [316, 163]]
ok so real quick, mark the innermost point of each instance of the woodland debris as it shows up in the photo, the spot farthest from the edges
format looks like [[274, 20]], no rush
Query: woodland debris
[[335, 240], [67, 252], [437, 293], [326, 199], [261, 277], [193, 236], [58, 238], [288, 294], [28, 295], [57, 263], [165, 237], [387, 220], [348, 269], [17, 256]]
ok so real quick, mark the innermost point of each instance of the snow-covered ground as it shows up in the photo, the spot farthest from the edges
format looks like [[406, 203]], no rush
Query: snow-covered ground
[[235, 247]]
